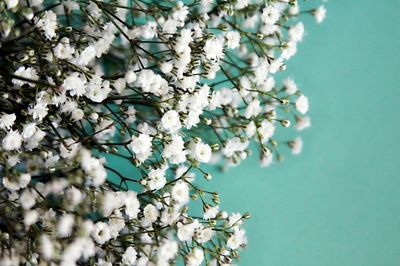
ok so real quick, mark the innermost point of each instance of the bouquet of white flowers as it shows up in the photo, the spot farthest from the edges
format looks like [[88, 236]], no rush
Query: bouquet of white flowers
[[109, 109]]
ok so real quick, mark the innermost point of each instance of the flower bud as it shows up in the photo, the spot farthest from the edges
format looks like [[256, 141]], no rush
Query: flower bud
[[215, 146], [197, 140], [216, 200], [206, 206], [273, 143], [284, 101], [285, 123], [228, 259], [265, 151], [207, 120], [207, 176], [194, 196], [247, 215], [235, 253]]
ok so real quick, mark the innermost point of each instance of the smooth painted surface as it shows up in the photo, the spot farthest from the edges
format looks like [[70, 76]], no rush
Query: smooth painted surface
[[339, 202]]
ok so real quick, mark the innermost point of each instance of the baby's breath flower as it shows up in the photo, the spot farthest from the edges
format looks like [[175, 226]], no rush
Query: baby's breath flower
[[110, 111], [320, 14]]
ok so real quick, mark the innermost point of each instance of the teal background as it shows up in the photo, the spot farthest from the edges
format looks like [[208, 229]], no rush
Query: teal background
[[338, 202]]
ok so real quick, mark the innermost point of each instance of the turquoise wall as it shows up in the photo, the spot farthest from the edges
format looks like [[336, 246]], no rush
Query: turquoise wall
[[338, 203]]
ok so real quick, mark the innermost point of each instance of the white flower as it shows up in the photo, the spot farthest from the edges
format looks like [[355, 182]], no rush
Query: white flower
[[75, 83], [237, 239], [27, 199], [101, 233], [290, 86], [150, 213], [11, 3], [211, 213], [30, 217], [302, 104], [167, 250], [87, 55], [116, 223], [302, 123], [39, 111], [224, 96], [186, 231], [266, 160], [270, 15], [120, 85], [98, 89], [232, 39], [93, 167], [289, 51], [63, 49], [12, 141], [170, 121], [320, 14], [74, 196], [235, 219], [46, 247], [71, 5], [266, 130], [7, 121], [71, 150], [202, 152], [132, 204], [253, 109], [131, 115], [94, 10], [251, 129], [34, 141], [214, 48], [183, 41], [180, 193], [103, 44], [29, 130], [240, 4], [16, 182], [106, 129], [294, 10], [166, 67], [152, 83], [28, 73], [204, 235], [156, 179], [129, 257], [141, 145], [65, 224], [296, 146], [80, 247], [175, 150], [111, 201], [130, 76], [48, 23], [234, 145], [269, 29], [195, 258], [77, 115], [296, 32], [13, 160], [149, 30]]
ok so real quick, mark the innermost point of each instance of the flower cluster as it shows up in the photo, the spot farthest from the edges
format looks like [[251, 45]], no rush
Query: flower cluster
[[109, 109]]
